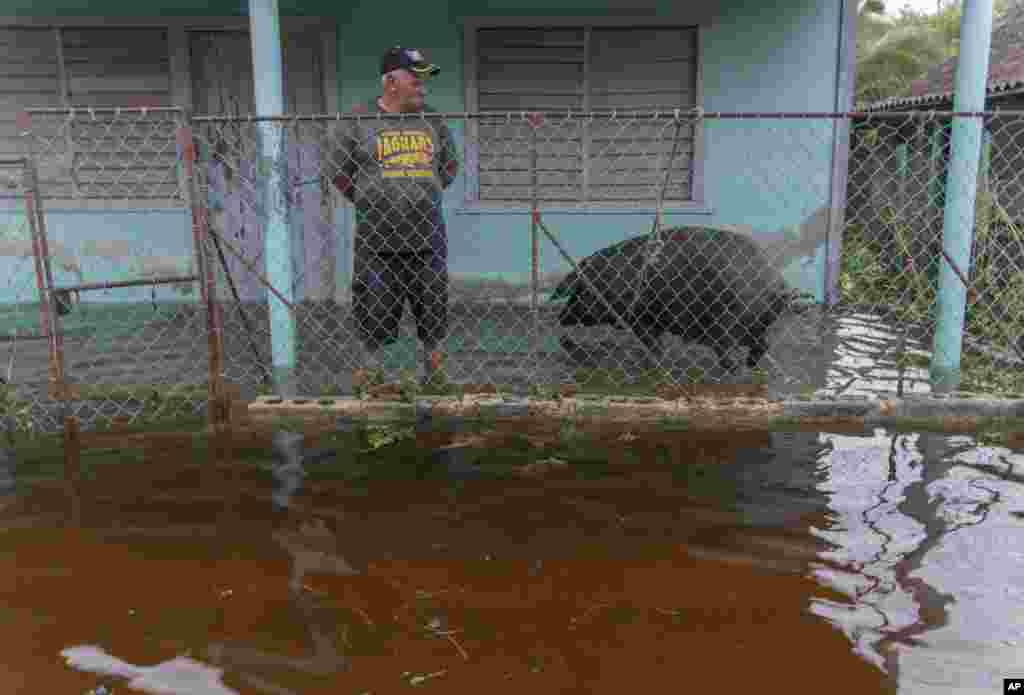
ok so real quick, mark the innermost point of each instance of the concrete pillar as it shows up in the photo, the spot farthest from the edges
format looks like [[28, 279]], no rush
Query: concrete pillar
[[271, 172], [961, 189]]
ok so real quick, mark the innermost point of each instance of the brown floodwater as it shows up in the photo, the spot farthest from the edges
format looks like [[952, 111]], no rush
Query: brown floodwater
[[507, 561]]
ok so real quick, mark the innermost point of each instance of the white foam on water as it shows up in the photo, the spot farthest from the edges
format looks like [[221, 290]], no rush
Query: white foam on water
[[179, 676]]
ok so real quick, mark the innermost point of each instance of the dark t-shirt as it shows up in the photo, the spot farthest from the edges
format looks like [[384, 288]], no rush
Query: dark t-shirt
[[394, 170]]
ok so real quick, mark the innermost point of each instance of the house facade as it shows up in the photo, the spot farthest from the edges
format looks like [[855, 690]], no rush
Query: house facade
[[782, 181]]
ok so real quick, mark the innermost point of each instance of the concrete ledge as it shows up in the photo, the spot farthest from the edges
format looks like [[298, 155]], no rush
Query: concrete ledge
[[955, 413]]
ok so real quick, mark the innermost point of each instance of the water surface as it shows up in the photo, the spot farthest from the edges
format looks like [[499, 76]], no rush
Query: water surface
[[509, 560]]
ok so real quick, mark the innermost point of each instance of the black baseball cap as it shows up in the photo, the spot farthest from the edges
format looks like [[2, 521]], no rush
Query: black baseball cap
[[407, 58]]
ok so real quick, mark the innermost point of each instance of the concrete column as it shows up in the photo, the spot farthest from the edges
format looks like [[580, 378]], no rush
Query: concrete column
[[961, 189], [271, 173]]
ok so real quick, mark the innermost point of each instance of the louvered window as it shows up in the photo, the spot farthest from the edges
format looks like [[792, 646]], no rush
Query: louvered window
[[91, 67], [612, 162]]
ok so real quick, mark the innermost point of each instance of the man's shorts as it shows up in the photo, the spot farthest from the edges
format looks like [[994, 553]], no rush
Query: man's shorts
[[384, 281]]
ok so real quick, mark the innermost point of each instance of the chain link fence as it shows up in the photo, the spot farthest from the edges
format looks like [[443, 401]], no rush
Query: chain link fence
[[893, 241], [117, 285], [379, 232], [25, 336], [378, 194]]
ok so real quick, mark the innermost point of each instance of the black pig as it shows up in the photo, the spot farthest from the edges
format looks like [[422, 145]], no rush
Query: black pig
[[709, 286]]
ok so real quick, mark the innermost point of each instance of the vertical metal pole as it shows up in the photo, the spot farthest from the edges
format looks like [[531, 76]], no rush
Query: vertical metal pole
[[265, 33], [37, 258], [207, 279], [961, 185], [44, 275], [215, 323], [534, 233], [205, 275]]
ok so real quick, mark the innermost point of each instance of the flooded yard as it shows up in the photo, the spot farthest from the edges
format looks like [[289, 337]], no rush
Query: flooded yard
[[495, 558]]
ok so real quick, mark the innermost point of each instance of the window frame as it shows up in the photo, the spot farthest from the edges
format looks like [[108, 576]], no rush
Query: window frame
[[471, 203], [181, 86]]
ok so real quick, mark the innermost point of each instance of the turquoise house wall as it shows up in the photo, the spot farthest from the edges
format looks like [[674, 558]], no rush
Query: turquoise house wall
[[99, 246], [770, 177]]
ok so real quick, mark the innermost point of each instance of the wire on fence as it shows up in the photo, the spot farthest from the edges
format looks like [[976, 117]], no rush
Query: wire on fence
[[365, 211]]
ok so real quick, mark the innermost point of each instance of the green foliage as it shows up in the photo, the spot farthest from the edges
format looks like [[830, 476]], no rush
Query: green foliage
[[379, 436], [619, 381], [15, 414], [892, 52], [994, 318]]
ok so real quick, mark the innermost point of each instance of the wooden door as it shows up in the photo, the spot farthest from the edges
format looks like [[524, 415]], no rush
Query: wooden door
[[223, 84]]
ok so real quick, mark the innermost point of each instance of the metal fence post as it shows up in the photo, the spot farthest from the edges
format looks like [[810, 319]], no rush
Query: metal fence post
[[44, 272], [961, 185], [37, 257], [206, 277], [272, 164], [534, 232]]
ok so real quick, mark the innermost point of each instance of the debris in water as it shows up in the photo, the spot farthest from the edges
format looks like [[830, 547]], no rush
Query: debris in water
[[543, 466], [417, 680]]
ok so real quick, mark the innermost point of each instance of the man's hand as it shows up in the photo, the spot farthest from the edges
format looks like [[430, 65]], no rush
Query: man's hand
[[451, 170], [344, 185]]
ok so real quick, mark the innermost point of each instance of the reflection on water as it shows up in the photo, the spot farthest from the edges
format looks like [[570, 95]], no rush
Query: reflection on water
[[508, 560], [179, 675], [931, 549], [866, 351]]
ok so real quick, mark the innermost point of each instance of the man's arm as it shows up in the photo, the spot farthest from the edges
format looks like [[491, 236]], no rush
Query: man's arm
[[345, 157]]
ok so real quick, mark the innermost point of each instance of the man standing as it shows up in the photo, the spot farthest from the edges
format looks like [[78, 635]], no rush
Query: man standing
[[394, 168]]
